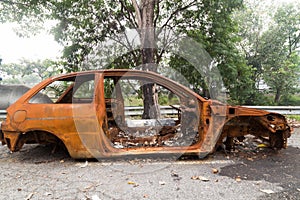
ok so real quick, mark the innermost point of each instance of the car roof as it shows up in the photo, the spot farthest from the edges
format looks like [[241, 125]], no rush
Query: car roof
[[131, 72]]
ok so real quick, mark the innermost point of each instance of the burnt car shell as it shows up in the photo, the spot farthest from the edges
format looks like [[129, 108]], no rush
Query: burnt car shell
[[88, 115]]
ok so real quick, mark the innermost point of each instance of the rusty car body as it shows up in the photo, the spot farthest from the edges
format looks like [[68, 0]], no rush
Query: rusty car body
[[86, 111]]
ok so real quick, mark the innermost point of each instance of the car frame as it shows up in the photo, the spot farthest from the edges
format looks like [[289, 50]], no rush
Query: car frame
[[89, 127]]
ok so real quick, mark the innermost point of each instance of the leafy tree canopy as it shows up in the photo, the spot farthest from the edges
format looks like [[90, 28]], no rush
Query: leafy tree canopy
[[29, 72], [84, 25], [271, 47]]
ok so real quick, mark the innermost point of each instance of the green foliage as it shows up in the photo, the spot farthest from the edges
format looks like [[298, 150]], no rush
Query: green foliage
[[293, 117], [267, 53], [217, 35], [165, 100], [29, 72], [281, 58], [270, 41], [133, 101], [290, 100], [85, 24]]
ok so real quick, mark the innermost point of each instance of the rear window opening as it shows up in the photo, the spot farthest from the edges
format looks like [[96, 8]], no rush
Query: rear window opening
[[69, 90]]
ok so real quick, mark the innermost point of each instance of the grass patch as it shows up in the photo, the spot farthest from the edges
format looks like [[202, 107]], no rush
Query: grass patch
[[293, 100], [293, 117]]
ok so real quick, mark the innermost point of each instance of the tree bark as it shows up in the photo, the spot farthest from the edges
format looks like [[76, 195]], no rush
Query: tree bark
[[145, 19], [277, 96]]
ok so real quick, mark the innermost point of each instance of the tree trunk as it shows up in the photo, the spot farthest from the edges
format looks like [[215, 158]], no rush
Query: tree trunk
[[148, 49], [277, 96]]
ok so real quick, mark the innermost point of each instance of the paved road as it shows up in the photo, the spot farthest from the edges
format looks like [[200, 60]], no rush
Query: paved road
[[35, 173]]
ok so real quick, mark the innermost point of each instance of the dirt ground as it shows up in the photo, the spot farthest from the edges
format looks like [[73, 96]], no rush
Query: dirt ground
[[247, 173]]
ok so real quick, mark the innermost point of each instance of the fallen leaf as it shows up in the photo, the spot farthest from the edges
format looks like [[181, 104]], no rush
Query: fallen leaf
[[267, 191], [174, 174], [29, 196], [47, 194], [238, 179], [95, 197], [134, 184], [132, 162], [250, 159], [215, 171], [258, 183], [162, 183], [201, 178], [84, 165], [262, 145]]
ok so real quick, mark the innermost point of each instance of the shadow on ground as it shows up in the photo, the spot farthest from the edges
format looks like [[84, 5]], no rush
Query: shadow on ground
[[281, 167], [35, 153]]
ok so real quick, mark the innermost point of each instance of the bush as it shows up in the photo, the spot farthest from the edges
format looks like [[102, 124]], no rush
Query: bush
[[293, 100]]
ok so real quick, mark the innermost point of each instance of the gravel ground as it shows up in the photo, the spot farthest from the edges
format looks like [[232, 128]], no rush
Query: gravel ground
[[247, 173]]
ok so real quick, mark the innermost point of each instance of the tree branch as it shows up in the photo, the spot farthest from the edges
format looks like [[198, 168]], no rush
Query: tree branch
[[123, 44], [295, 42], [128, 45], [157, 13], [174, 13], [128, 14], [138, 13], [167, 41]]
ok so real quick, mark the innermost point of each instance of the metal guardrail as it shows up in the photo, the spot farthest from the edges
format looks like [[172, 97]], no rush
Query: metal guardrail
[[2, 114], [135, 111], [284, 110]]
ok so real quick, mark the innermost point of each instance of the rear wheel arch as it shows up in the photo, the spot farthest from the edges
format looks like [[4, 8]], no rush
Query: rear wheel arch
[[40, 137]]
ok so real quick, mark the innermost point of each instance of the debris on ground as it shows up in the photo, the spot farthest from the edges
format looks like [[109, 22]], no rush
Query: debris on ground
[[95, 197], [214, 170], [134, 184], [201, 178], [238, 179], [131, 182], [29, 196], [151, 137], [268, 191], [84, 165], [293, 123], [162, 182], [251, 149]]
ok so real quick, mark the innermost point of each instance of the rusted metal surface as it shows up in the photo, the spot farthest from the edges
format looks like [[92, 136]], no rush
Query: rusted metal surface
[[86, 114]]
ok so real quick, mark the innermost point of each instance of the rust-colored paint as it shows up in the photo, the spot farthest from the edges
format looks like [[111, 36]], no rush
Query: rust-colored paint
[[88, 127]]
